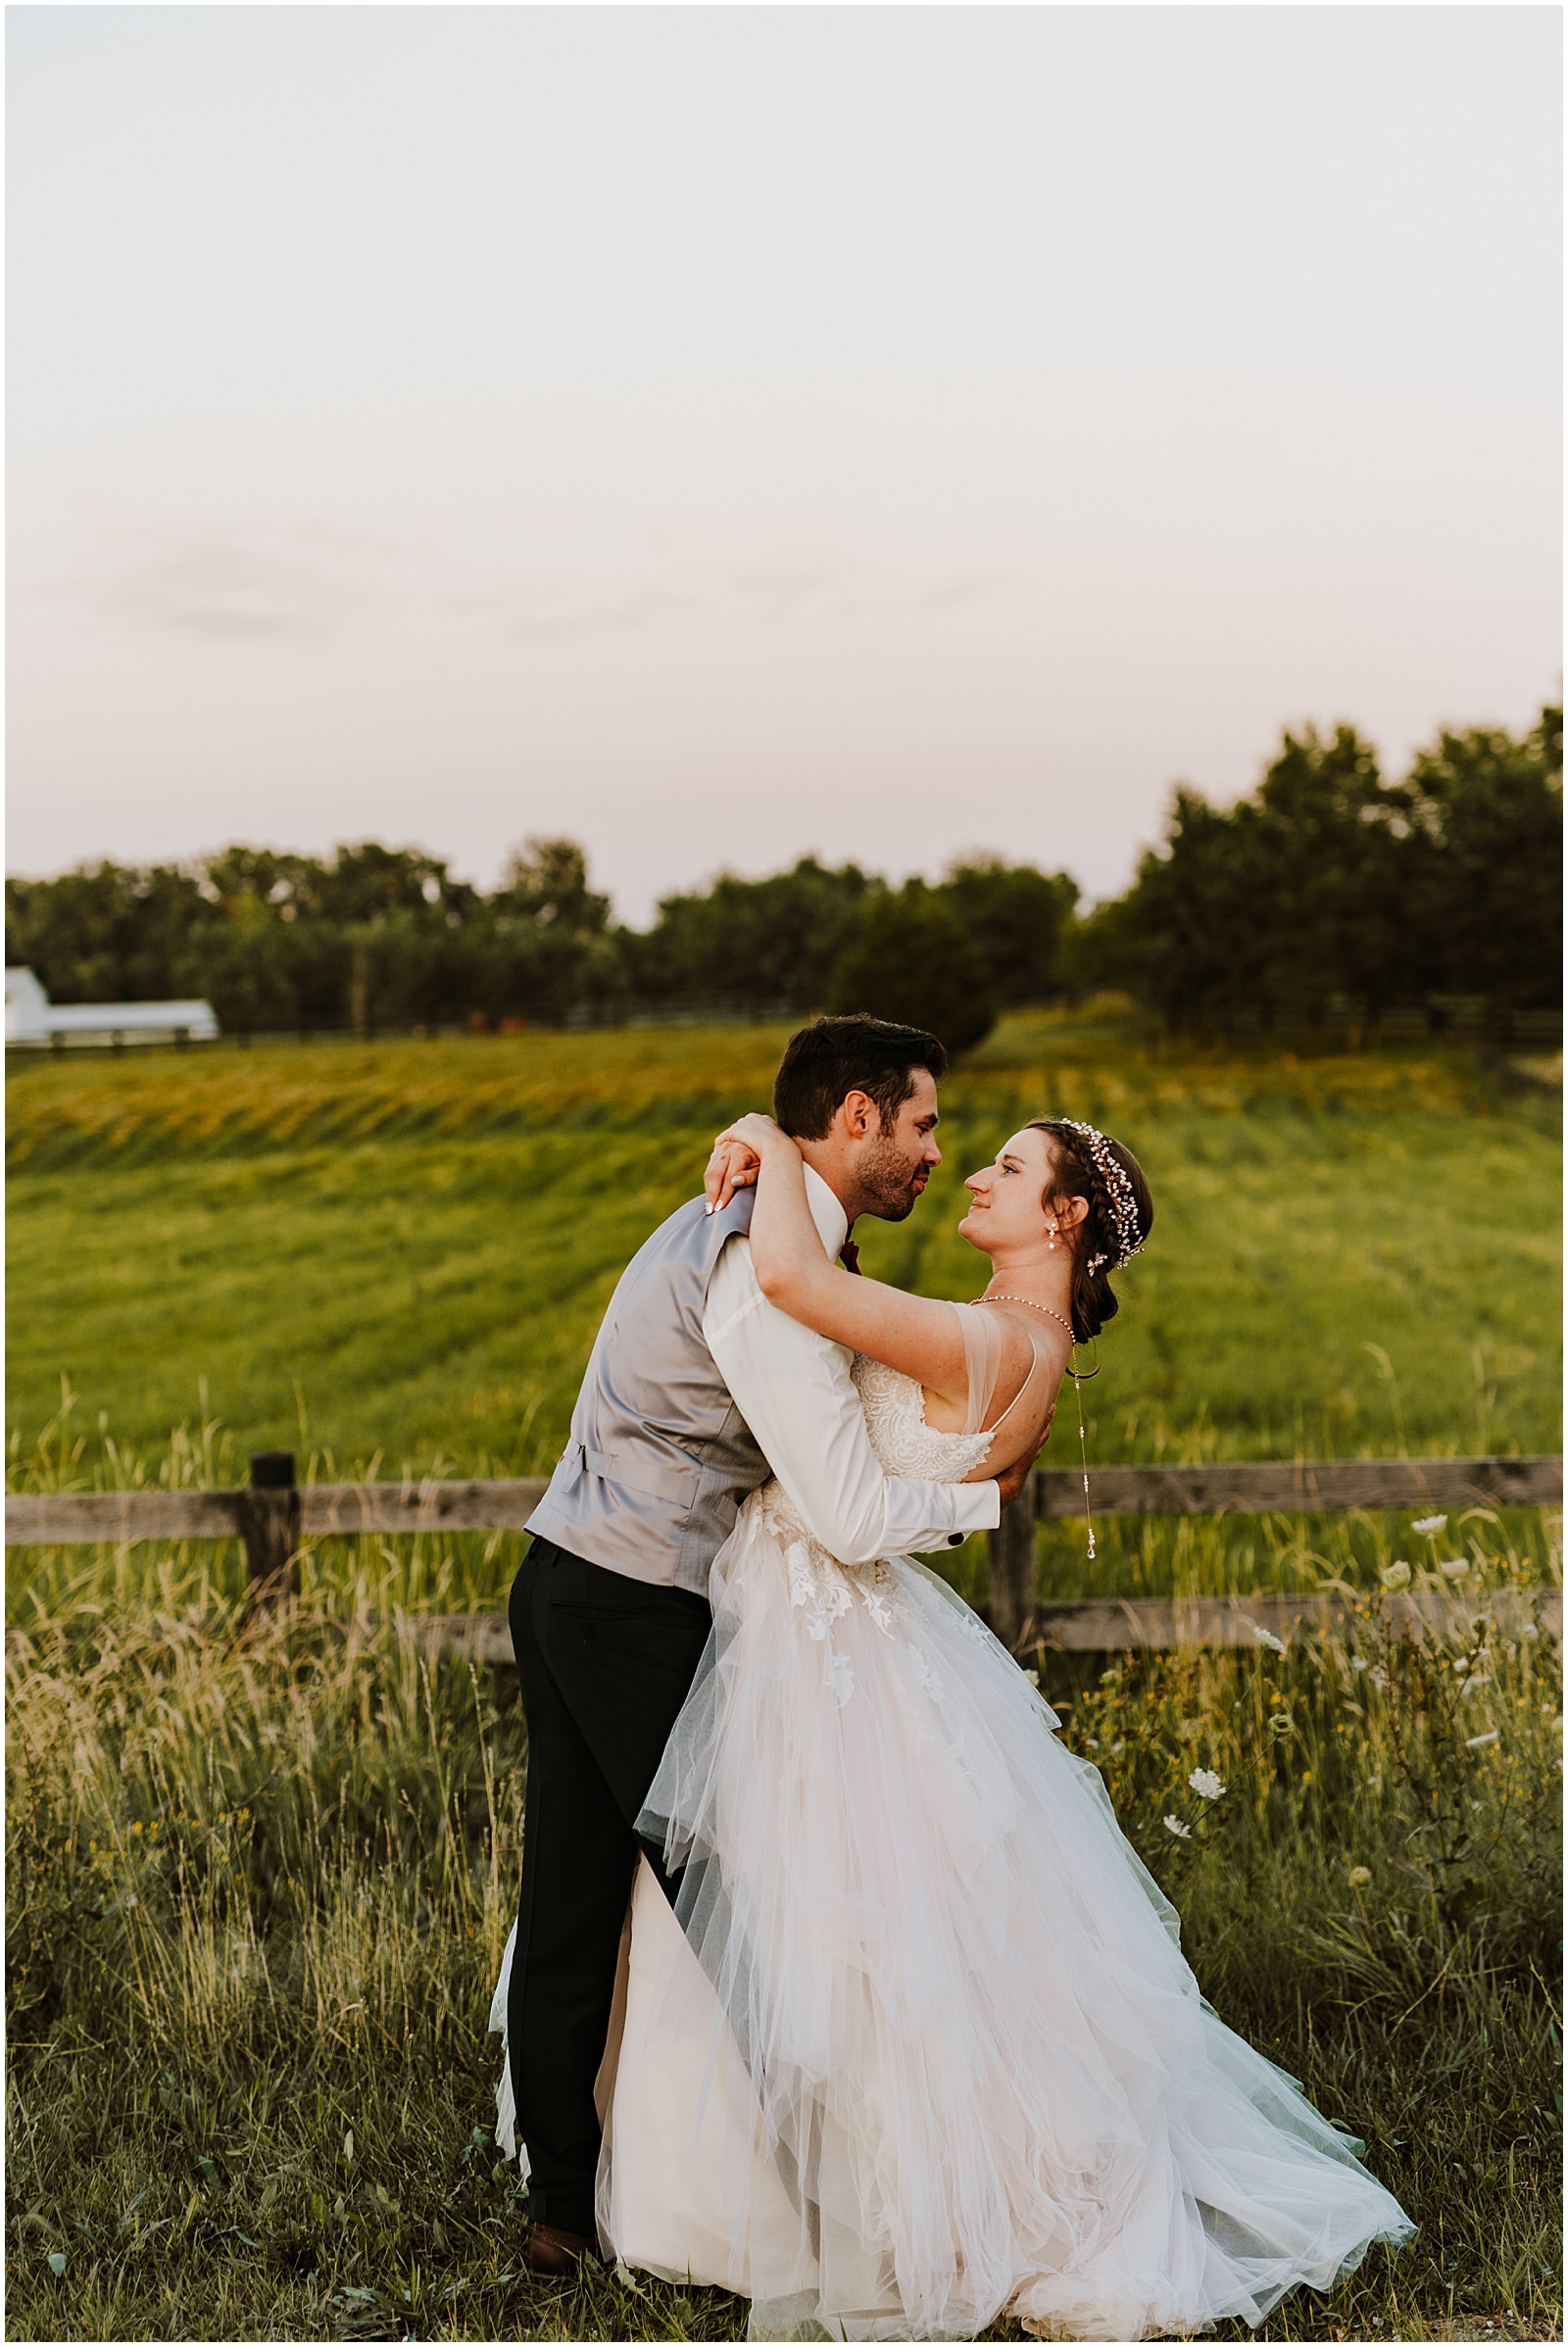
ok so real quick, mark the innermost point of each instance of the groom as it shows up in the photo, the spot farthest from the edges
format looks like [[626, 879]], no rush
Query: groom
[[697, 1390]]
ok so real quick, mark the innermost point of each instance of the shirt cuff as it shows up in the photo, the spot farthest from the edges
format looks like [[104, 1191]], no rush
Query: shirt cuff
[[977, 1507]]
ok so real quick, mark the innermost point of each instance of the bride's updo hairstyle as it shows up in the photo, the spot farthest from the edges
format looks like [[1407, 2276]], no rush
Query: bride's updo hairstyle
[[1089, 1165]]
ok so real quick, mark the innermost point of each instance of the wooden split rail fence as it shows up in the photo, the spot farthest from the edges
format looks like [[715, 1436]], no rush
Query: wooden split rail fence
[[275, 1517]]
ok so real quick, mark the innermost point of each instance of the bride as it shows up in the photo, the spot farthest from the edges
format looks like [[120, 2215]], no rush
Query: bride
[[918, 2046]]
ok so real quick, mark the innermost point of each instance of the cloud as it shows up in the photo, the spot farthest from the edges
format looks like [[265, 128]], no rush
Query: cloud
[[967, 586], [225, 582], [783, 579], [565, 614], [631, 614], [786, 577], [234, 582]]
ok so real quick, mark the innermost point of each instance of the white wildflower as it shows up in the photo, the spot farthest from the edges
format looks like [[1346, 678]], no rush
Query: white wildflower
[[1264, 1637], [1093, 1741], [1456, 1567], [1207, 1783], [1358, 1662], [1396, 1576], [1120, 1745], [1360, 1875], [1173, 1825], [1429, 1524], [1480, 1678], [1490, 1738]]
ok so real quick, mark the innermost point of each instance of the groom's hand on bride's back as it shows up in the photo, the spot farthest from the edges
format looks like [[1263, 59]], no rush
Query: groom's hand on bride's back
[[1011, 1480]]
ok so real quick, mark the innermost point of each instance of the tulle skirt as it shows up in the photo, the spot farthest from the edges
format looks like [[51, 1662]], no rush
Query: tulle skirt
[[921, 2047]]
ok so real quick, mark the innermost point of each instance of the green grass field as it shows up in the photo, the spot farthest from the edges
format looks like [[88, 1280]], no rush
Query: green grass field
[[394, 1258], [259, 1872], [404, 1250]]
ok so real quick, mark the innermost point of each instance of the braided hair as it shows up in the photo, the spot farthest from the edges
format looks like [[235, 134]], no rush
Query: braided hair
[[1100, 1241]]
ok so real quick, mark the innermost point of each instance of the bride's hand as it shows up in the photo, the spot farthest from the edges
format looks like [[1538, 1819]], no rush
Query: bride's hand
[[1010, 1482], [737, 1158]]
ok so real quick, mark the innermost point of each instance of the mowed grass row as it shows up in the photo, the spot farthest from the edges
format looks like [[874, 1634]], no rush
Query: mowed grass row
[[397, 1257], [76, 1108]]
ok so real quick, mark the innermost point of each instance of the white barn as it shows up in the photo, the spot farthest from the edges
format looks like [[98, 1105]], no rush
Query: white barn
[[30, 1016]]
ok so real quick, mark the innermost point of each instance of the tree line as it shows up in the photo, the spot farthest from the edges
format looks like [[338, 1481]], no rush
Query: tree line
[[386, 937], [1330, 888], [1327, 891]]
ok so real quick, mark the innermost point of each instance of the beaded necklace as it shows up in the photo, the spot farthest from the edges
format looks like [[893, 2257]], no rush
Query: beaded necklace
[[1002, 1297]]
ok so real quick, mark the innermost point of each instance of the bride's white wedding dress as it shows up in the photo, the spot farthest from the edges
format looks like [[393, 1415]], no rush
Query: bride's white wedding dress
[[922, 2046]]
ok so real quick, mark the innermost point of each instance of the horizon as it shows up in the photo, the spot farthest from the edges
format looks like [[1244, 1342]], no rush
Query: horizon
[[975, 852]]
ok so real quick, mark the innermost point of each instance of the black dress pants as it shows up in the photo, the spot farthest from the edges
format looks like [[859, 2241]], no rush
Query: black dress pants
[[606, 1664]]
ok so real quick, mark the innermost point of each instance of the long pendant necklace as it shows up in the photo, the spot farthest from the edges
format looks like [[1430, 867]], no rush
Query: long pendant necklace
[[1002, 1297]]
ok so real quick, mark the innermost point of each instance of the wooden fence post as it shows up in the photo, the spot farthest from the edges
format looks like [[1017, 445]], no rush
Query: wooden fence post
[[1012, 1567], [270, 1515]]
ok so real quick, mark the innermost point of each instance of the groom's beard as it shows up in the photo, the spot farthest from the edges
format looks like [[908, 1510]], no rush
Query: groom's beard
[[889, 1183]]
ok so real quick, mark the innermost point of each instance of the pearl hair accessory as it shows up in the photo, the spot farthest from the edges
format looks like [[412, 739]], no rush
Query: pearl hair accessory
[[1119, 1197]]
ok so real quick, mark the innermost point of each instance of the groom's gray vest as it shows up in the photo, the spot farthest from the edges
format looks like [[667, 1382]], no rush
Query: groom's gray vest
[[660, 1457]]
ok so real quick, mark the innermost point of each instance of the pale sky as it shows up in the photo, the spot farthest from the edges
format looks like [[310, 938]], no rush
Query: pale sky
[[723, 433]]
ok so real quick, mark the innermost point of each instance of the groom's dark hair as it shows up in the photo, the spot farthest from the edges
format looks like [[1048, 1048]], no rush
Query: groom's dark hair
[[835, 1056]]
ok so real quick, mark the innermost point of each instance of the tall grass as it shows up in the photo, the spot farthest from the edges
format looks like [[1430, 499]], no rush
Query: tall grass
[[260, 1870]]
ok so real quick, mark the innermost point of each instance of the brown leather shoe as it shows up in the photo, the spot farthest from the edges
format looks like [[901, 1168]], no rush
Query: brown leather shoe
[[556, 2253]]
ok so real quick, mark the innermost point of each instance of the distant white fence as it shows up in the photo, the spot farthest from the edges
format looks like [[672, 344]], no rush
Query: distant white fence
[[32, 1018]]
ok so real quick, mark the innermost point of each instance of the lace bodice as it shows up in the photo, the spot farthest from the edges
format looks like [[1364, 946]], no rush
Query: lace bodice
[[823, 1588], [895, 1420]]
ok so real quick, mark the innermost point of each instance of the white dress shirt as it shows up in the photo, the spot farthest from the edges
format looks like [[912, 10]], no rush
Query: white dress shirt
[[794, 1389]]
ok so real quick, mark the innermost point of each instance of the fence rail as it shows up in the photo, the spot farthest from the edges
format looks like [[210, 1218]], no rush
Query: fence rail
[[275, 1517], [1111, 1626]]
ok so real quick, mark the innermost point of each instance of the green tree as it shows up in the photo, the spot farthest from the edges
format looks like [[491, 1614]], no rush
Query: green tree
[[370, 882], [105, 932], [295, 940], [913, 961], [1489, 899], [1016, 916], [540, 946], [1329, 855], [1274, 907], [547, 882], [777, 940]]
